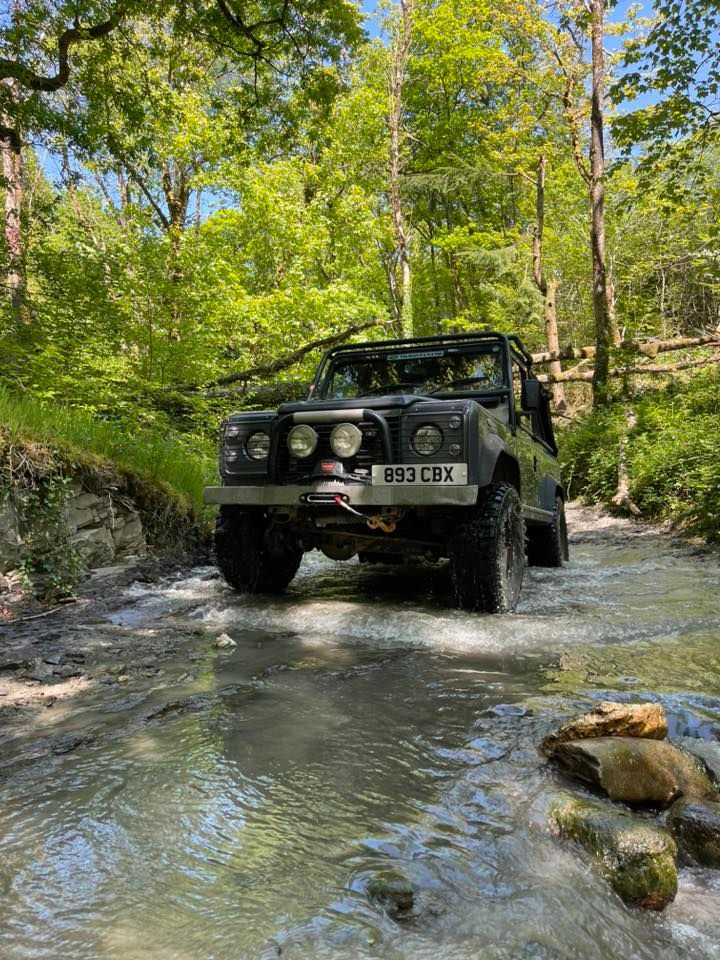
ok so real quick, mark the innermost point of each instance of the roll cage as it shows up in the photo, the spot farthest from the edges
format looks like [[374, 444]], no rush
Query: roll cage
[[512, 349]]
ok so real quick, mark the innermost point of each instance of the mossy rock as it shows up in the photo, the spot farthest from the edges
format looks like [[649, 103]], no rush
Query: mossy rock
[[635, 857], [695, 824], [652, 773]]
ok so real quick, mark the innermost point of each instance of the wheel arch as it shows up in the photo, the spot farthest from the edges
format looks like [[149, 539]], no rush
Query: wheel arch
[[506, 469], [496, 463], [550, 487]]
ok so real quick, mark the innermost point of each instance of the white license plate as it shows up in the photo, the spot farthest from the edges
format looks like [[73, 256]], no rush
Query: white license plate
[[419, 474]]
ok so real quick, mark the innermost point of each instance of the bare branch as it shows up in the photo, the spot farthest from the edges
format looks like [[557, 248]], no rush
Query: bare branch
[[24, 75], [282, 363]]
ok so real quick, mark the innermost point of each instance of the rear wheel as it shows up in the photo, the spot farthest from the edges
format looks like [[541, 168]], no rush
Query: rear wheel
[[547, 544], [487, 552], [249, 560]]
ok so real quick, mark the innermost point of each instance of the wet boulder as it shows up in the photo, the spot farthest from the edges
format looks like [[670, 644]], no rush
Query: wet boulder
[[637, 771], [610, 719], [651, 773], [635, 857], [393, 890], [695, 824]]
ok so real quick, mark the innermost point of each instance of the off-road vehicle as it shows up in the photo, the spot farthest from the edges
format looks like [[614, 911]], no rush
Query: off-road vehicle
[[435, 447]]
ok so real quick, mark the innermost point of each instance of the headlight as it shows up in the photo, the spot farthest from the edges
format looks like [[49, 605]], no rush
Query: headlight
[[427, 440], [257, 445], [302, 441], [345, 440]]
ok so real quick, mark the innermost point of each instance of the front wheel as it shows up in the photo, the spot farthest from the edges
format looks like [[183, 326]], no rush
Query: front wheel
[[487, 552], [250, 560]]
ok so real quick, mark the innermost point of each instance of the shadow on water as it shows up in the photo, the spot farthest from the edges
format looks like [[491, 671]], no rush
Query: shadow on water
[[361, 724]]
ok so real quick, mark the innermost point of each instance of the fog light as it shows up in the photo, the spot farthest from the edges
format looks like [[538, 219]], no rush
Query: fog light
[[455, 449], [427, 440], [455, 423], [231, 456], [302, 441], [346, 440], [258, 445]]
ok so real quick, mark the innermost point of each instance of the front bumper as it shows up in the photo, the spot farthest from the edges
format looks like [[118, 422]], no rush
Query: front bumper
[[357, 495]]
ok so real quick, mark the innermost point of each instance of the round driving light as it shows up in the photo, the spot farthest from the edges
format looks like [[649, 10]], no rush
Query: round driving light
[[455, 449], [455, 423], [302, 441], [232, 431], [427, 440], [345, 440], [257, 446]]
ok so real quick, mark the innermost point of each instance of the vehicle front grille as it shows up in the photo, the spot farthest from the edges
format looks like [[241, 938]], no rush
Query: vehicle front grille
[[291, 470]]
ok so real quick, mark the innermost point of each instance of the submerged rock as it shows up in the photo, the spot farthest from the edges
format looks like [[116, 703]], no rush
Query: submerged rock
[[650, 773], [393, 890], [610, 719], [636, 858], [225, 642], [695, 825]]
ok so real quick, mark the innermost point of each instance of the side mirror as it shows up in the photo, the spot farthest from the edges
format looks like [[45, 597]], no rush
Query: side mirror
[[532, 395]]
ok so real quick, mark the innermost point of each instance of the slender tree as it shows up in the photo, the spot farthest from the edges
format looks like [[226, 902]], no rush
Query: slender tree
[[547, 288], [400, 53], [606, 329]]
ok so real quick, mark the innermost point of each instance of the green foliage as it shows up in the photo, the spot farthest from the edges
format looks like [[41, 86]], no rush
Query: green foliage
[[673, 454]]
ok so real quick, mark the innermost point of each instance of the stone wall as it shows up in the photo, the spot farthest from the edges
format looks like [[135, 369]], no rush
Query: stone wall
[[104, 528]]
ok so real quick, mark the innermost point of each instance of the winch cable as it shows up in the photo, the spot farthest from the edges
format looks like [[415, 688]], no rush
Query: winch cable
[[374, 523]]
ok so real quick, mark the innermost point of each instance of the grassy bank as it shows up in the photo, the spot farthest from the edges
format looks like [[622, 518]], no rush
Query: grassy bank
[[673, 453], [177, 463], [45, 451]]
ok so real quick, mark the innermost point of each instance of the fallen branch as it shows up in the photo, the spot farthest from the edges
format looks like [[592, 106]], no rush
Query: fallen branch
[[570, 376], [275, 366], [648, 348], [38, 616]]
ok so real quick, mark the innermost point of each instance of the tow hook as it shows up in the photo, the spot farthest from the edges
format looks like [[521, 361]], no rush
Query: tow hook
[[374, 523]]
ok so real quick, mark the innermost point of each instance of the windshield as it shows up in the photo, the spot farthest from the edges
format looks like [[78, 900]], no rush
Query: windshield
[[421, 371]]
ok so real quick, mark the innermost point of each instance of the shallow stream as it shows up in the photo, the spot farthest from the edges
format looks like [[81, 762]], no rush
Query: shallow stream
[[236, 804]]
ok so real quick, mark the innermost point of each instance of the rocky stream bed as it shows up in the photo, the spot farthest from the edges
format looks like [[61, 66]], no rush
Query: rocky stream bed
[[361, 746]]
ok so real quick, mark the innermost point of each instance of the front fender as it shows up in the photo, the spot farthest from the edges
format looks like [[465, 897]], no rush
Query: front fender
[[491, 448]]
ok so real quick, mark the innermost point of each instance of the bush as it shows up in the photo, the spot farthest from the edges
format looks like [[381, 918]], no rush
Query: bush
[[673, 453]]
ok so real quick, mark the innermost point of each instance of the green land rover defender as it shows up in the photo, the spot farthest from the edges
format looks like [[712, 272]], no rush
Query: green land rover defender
[[433, 447]]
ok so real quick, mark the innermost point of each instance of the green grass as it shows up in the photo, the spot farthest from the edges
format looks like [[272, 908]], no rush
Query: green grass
[[184, 464]]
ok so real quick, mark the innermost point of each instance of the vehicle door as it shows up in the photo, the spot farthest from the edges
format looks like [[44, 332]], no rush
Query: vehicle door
[[524, 443]]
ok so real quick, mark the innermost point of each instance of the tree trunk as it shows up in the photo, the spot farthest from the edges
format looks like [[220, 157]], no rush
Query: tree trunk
[[12, 168], [547, 289], [606, 332], [402, 305], [622, 498]]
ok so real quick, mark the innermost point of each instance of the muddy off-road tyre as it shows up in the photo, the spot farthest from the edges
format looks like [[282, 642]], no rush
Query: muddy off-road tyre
[[487, 552], [547, 543], [244, 556]]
